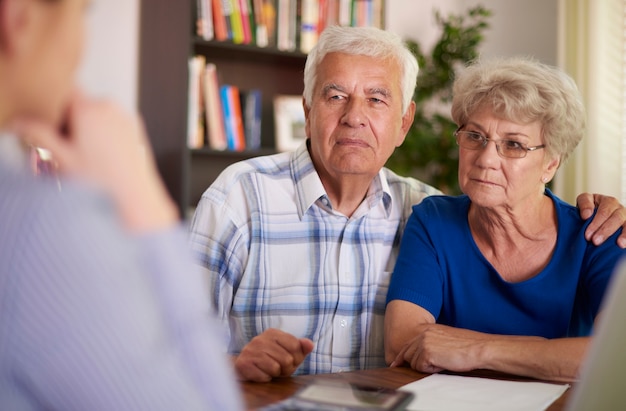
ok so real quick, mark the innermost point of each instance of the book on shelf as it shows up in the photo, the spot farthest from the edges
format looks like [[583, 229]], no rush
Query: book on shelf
[[251, 108], [270, 15], [233, 118], [213, 113], [195, 117], [222, 117], [236, 22], [259, 25], [245, 9], [367, 13], [286, 22], [227, 11], [288, 25], [220, 30], [204, 19], [309, 24]]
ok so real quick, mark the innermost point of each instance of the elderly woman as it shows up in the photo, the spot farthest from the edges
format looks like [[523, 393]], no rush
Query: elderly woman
[[501, 277]]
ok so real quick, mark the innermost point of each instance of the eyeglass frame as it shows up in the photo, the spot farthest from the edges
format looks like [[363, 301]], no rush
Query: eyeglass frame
[[486, 140]]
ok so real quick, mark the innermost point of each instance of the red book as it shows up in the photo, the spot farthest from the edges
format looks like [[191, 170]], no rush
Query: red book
[[219, 24]]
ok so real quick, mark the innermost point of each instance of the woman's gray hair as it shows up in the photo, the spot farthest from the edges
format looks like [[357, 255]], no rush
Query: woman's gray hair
[[523, 90], [362, 41]]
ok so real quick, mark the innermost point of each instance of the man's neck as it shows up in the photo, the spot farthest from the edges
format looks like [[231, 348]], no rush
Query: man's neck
[[347, 192]]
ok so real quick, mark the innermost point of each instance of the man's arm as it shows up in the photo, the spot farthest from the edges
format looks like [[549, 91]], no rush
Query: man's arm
[[611, 216], [430, 347]]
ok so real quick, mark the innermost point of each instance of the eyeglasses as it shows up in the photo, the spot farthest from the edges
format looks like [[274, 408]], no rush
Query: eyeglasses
[[506, 148]]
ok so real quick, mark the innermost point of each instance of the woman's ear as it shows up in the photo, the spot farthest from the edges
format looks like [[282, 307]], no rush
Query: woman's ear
[[551, 168]]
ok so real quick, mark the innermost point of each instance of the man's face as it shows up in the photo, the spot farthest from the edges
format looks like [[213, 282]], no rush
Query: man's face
[[355, 120]]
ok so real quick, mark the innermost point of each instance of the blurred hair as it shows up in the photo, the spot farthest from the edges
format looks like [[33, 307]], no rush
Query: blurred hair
[[523, 90], [362, 41]]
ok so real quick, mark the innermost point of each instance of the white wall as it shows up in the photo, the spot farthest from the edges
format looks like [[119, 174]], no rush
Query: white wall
[[526, 27], [110, 63]]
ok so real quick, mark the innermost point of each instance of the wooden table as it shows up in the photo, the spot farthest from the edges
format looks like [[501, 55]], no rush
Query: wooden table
[[260, 394]]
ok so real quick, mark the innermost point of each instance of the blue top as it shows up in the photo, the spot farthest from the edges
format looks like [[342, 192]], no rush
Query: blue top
[[93, 318], [441, 269]]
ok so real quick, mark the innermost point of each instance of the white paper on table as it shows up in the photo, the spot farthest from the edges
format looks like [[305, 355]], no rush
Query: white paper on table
[[439, 392]]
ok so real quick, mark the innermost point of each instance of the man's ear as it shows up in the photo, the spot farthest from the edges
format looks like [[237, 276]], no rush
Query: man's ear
[[407, 121], [14, 19]]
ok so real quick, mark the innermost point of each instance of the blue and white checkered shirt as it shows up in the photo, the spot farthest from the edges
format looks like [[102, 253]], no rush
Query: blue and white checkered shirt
[[279, 256]]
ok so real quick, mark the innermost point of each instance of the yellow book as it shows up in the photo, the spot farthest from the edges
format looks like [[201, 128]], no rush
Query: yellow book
[[236, 23]]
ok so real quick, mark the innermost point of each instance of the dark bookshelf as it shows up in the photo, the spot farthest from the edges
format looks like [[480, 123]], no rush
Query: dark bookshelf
[[166, 43]]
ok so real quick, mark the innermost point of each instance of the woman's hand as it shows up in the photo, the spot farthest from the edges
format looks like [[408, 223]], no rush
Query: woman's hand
[[109, 148]]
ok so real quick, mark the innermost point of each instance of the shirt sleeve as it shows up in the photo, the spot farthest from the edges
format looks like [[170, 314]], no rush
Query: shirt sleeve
[[219, 243], [106, 321], [417, 275]]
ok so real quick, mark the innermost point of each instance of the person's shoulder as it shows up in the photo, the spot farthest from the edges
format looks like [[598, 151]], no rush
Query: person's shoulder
[[442, 204], [415, 189], [567, 213], [274, 164]]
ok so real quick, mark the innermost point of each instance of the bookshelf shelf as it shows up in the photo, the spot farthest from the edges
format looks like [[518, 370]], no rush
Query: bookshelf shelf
[[166, 43], [227, 49]]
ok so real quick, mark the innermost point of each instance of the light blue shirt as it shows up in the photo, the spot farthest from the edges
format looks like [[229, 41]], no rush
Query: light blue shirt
[[277, 255], [92, 318]]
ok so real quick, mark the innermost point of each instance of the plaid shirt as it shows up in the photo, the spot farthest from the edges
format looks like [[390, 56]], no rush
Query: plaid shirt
[[279, 256]]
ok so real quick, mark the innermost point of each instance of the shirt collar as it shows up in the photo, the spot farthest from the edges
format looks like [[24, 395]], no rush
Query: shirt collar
[[309, 187]]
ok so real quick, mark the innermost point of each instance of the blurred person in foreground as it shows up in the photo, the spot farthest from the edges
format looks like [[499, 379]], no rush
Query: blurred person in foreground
[[502, 277], [299, 247], [100, 305]]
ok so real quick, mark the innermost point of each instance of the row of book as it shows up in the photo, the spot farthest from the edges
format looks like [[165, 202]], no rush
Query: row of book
[[288, 25], [222, 117]]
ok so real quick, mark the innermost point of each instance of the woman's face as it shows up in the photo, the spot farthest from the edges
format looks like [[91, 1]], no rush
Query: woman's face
[[48, 62], [493, 181]]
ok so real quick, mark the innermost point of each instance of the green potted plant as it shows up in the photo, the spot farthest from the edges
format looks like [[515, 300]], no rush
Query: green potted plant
[[429, 151]]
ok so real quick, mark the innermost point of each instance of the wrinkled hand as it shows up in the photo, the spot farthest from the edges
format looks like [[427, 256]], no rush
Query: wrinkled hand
[[274, 353], [611, 215], [107, 147], [438, 347]]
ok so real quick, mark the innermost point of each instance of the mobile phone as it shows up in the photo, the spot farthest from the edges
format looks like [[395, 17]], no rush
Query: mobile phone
[[344, 396]]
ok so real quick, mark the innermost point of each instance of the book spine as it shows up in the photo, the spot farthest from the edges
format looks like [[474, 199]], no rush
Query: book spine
[[228, 124], [219, 24], [209, 30], [244, 10], [236, 22], [308, 25], [195, 120], [251, 109], [237, 119], [214, 117], [270, 16], [345, 12], [260, 25], [227, 11]]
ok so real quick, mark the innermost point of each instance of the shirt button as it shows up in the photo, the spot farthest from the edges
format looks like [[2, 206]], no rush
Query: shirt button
[[343, 323]]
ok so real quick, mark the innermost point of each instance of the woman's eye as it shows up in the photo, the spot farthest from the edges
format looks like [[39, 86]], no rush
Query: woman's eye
[[513, 145]]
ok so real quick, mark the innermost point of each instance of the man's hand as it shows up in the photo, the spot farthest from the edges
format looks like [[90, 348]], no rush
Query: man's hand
[[274, 353], [610, 217]]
